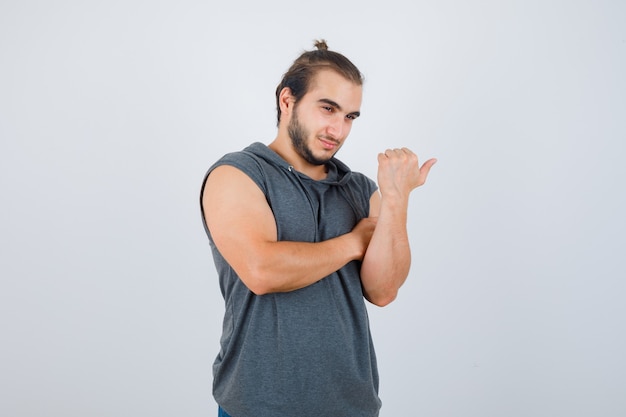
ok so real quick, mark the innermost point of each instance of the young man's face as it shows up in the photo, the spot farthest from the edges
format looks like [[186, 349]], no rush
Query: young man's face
[[322, 119]]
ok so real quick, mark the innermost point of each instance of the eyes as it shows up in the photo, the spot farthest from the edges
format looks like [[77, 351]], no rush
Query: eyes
[[331, 110]]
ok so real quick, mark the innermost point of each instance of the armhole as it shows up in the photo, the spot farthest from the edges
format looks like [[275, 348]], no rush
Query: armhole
[[236, 161]]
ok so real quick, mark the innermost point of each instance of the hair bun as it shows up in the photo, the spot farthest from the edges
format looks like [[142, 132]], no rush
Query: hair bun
[[321, 45]]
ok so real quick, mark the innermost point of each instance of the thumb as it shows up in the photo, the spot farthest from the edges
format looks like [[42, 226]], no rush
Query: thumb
[[425, 169]]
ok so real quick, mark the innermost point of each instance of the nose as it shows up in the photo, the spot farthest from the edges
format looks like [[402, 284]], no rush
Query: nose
[[336, 128]]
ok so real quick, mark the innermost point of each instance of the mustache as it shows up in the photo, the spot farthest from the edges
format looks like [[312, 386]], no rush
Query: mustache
[[330, 139]]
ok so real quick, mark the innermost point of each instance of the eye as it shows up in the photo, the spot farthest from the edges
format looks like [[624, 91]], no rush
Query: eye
[[327, 108]]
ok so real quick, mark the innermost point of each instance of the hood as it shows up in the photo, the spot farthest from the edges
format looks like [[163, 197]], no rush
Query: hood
[[338, 172]]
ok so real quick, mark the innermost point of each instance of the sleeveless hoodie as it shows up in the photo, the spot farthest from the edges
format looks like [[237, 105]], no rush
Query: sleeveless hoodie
[[307, 352]]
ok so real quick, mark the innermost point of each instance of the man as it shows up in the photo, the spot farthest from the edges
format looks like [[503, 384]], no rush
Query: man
[[299, 241]]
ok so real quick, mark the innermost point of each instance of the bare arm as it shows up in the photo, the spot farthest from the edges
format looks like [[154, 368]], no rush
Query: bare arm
[[388, 258], [244, 230]]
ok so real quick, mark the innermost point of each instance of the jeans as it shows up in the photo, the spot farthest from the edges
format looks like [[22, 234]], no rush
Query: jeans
[[221, 412]]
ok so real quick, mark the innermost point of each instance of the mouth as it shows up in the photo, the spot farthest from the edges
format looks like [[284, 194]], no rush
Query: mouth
[[328, 143]]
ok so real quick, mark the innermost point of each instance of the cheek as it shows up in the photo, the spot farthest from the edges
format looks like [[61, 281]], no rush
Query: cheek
[[347, 129], [318, 125]]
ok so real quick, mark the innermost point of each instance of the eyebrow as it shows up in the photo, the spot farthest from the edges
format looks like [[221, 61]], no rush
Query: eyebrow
[[337, 106]]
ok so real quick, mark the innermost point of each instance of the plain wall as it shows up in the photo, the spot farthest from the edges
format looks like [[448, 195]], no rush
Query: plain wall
[[111, 112]]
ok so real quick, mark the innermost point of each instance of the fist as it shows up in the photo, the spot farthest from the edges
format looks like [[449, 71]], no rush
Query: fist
[[399, 171]]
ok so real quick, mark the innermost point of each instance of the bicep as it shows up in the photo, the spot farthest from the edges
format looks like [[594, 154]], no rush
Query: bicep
[[237, 215]]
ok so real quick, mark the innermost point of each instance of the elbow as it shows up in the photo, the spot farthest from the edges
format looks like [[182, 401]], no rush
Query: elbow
[[381, 293], [257, 288], [257, 278], [382, 299]]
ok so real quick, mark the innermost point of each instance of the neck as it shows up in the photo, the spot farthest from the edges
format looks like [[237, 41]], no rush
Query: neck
[[283, 147]]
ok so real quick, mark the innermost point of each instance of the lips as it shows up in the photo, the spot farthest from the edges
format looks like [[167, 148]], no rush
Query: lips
[[328, 143]]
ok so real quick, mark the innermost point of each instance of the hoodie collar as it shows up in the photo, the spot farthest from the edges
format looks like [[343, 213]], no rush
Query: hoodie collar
[[338, 172]]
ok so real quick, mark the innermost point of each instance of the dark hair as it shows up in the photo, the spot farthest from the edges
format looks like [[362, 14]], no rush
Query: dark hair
[[306, 66]]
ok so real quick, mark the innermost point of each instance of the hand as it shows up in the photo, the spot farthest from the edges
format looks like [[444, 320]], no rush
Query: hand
[[399, 172], [363, 232]]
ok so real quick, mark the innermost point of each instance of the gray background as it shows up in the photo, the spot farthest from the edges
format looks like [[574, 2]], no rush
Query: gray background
[[110, 113]]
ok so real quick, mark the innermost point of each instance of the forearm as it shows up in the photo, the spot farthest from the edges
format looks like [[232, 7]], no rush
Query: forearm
[[388, 257], [287, 266]]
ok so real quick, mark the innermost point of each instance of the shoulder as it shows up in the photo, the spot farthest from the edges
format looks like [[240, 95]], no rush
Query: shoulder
[[245, 162], [364, 182]]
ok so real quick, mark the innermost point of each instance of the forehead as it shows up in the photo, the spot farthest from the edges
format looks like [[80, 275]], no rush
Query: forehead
[[329, 84]]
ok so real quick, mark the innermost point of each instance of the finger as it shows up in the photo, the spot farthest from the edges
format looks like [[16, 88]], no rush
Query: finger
[[425, 168], [398, 153]]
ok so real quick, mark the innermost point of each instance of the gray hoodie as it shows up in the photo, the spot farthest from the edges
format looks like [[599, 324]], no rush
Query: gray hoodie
[[307, 352]]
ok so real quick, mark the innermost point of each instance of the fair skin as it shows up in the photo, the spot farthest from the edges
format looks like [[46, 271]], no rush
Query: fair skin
[[243, 227]]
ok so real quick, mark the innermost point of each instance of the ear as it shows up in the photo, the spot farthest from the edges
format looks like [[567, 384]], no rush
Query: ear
[[286, 101]]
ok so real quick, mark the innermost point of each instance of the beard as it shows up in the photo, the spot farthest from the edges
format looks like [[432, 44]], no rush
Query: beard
[[298, 134]]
